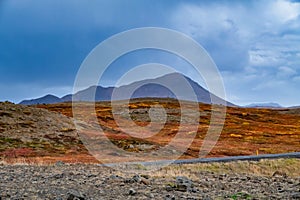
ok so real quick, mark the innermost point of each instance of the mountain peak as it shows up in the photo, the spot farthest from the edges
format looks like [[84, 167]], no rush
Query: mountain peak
[[47, 99], [142, 89]]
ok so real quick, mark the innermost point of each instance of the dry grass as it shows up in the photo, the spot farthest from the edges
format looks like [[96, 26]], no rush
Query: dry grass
[[246, 130], [23, 161], [290, 166], [49, 160]]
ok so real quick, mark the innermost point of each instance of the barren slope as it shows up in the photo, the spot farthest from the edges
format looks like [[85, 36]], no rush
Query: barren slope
[[31, 132]]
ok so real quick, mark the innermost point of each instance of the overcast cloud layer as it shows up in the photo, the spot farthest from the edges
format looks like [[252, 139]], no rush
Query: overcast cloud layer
[[255, 44]]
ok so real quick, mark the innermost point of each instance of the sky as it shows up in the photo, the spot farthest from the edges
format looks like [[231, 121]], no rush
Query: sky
[[254, 44]]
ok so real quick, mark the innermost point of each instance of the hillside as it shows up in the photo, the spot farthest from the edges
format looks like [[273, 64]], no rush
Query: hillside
[[35, 132]]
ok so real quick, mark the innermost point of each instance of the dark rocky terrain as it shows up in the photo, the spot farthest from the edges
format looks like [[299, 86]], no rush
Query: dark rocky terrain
[[62, 181]]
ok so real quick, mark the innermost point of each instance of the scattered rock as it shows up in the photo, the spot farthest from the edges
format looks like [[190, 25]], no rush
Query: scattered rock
[[169, 188], [146, 176], [295, 195], [150, 195], [183, 184], [58, 176], [170, 197], [74, 195], [115, 177], [96, 182], [279, 174], [145, 181], [131, 192], [136, 178], [59, 163]]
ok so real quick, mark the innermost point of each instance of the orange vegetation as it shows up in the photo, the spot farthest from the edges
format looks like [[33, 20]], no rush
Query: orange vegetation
[[247, 131]]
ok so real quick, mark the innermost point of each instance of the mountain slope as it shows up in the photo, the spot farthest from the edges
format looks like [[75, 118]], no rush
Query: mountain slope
[[48, 99], [140, 89]]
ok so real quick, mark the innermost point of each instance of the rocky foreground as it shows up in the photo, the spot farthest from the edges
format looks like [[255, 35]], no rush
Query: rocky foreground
[[78, 181]]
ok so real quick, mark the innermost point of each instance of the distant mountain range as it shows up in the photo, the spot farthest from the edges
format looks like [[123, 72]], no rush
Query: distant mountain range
[[48, 99], [142, 89], [264, 105]]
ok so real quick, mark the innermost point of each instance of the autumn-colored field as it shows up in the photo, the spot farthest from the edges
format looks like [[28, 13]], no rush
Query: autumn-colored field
[[247, 131]]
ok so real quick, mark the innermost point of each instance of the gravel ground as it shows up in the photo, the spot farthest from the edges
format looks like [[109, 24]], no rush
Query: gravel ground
[[77, 181]]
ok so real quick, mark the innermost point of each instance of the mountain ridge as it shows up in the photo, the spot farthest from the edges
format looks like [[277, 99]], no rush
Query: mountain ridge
[[47, 99], [149, 88], [264, 105]]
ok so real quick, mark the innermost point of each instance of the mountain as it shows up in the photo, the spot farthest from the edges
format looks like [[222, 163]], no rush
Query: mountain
[[48, 99], [140, 89], [264, 105], [294, 107]]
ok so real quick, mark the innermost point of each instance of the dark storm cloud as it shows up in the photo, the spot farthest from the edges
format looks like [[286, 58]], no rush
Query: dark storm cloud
[[255, 44]]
